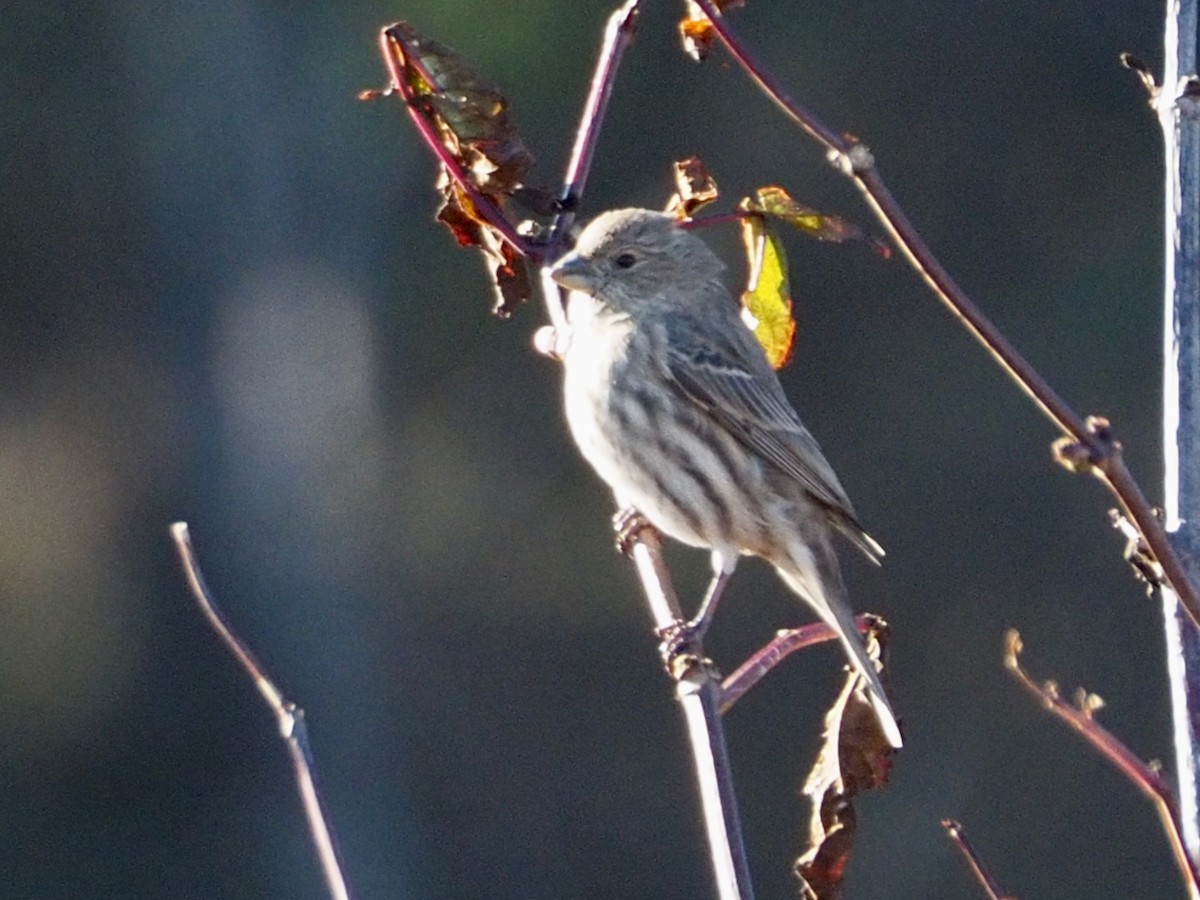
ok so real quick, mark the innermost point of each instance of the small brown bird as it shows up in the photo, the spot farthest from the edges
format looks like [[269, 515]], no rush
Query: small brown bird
[[671, 399]]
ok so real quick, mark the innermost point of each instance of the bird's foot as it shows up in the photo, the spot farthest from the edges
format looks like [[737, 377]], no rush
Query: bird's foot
[[681, 646], [630, 526]]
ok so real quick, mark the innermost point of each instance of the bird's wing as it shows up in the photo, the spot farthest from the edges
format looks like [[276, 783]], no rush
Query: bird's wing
[[743, 394]]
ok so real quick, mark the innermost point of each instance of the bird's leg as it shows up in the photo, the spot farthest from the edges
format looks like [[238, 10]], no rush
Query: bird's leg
[[688, 636], [722, 572]]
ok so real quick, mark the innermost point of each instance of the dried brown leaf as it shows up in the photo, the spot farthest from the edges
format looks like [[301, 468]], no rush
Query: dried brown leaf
[[695, 187], [854, 757], [468, 111], [510, 279], [468, 116]]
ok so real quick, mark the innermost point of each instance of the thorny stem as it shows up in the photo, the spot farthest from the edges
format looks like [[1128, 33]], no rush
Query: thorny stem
[[1146, 779], [290, 717], [1103, 454], [958, 836], [395, 56]]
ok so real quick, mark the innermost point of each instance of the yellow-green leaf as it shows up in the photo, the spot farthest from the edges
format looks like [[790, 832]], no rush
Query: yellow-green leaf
[[776, 202], [766, 305]]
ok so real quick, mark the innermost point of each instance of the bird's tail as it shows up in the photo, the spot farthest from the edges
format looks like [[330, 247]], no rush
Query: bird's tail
[[827, 598]]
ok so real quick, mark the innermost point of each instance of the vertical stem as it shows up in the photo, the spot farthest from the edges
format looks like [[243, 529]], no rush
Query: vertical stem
[[1181, 391], [700, 698], [617, 35], [699, 693]]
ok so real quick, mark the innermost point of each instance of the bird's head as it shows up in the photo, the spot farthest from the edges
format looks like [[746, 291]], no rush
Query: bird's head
[[629, 259]]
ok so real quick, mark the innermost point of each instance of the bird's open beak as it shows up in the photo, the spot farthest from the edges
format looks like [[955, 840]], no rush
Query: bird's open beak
[[573, 272]]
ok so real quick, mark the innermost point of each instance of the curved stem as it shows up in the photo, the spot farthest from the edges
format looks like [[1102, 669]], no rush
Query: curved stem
[[1143, 777], [1102, 453], [290, 717]]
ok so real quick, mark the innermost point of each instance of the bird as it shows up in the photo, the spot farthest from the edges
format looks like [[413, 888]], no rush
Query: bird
[[672, 401]]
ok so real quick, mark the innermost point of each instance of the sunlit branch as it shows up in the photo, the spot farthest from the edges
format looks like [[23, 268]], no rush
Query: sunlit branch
[[958, 836], [1101, 452], [290, 717], [1081, 718]]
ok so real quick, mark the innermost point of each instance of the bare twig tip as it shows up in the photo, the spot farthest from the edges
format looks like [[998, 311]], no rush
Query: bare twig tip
[[1012, 649], [1142, 70], [375, 93], [957, 834]]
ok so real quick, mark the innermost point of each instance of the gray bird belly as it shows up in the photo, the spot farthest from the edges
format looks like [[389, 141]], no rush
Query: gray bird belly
[[661, 455]]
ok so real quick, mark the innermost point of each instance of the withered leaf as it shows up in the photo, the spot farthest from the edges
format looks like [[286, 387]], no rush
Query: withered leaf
[[766, 305], [469, 112], [468, 116], [855, 757], [695, 188], [510, 279]]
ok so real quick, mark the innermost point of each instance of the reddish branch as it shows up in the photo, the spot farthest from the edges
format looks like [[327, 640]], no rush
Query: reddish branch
[[958, 836], [1095, 446], [783, 645], [1146, 778], [618, 34]]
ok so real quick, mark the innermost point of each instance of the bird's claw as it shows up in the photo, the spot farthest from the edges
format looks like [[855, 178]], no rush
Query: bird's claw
[[681, 647], [629, 524]]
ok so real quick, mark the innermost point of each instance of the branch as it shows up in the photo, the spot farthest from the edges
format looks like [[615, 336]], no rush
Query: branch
[[784, 644], [699, 694], [1081, 718], [958, 836], [618, 34], [1097, 450], [290, 717]]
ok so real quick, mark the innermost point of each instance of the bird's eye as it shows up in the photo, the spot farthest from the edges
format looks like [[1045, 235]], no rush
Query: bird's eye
[[625, 260]]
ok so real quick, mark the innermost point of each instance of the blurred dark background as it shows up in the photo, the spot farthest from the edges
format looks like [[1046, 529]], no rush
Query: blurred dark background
[[223, 300]]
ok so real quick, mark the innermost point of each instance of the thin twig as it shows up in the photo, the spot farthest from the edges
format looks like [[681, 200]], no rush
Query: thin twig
[[959, 837], [784, 644], [699, 694], [1145, 778], [289, 716], [697, 687], [618, 34], [1102, 453], [392, 46]]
